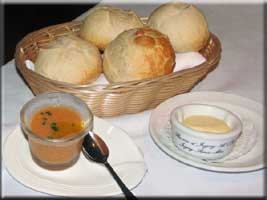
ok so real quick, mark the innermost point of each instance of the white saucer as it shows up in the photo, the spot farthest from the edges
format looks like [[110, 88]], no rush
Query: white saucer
[[85, 178], [248, 153]]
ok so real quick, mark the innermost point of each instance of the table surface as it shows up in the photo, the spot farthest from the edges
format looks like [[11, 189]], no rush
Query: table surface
[[240, 30]]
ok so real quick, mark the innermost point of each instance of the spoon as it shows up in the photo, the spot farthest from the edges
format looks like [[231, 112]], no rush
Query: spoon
[[94, 148]]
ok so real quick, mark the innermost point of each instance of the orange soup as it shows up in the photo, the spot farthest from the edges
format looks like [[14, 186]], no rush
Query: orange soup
[[55, 122]]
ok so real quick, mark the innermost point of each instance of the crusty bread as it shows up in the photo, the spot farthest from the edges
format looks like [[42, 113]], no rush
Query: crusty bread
[[105, 23], [138, 54], [69, 59], [184, 23]]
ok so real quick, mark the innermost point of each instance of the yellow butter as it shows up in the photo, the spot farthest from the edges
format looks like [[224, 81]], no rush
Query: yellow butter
[[206, 124]]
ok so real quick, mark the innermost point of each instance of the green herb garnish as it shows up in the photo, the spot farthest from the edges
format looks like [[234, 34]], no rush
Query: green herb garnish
[[54, 126], [49, 113], [44, 120]]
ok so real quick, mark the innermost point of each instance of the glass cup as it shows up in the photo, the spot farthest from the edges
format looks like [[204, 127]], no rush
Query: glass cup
[[55, 154]]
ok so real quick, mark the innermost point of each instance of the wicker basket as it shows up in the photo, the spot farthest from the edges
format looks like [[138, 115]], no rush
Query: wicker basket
[[112, 99]]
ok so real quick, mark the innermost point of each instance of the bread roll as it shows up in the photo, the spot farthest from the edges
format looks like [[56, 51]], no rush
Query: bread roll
[[138, 54], [69, 59], [104, 23], [185, 25]]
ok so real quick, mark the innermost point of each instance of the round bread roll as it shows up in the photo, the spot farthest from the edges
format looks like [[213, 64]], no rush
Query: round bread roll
[[138, 54], [104, 23], [69, 59], [185, 25]]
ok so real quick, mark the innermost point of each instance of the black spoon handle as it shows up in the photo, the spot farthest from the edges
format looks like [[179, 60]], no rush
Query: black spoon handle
[[125, 190]]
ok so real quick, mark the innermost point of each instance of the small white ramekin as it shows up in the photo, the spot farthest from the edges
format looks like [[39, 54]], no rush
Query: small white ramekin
[[199, 144]]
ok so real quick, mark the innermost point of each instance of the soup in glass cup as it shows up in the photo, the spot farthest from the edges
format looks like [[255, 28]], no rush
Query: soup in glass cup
[[55, 125]]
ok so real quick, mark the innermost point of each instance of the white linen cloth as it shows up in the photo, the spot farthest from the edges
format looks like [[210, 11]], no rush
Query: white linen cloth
[[240, 29]]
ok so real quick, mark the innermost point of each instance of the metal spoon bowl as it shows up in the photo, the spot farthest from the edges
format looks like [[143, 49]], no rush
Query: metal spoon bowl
[[94, 148]]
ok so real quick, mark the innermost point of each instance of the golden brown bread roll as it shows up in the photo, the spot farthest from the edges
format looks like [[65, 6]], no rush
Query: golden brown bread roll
[[104, 23], [138, 54], [185, 25], [69, 59]]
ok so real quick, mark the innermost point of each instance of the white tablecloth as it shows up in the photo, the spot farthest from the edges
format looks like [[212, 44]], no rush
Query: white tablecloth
[[240, 29]]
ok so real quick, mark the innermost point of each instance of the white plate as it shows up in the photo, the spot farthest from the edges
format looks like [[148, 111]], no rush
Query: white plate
[[248, 153], [85, 178]]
